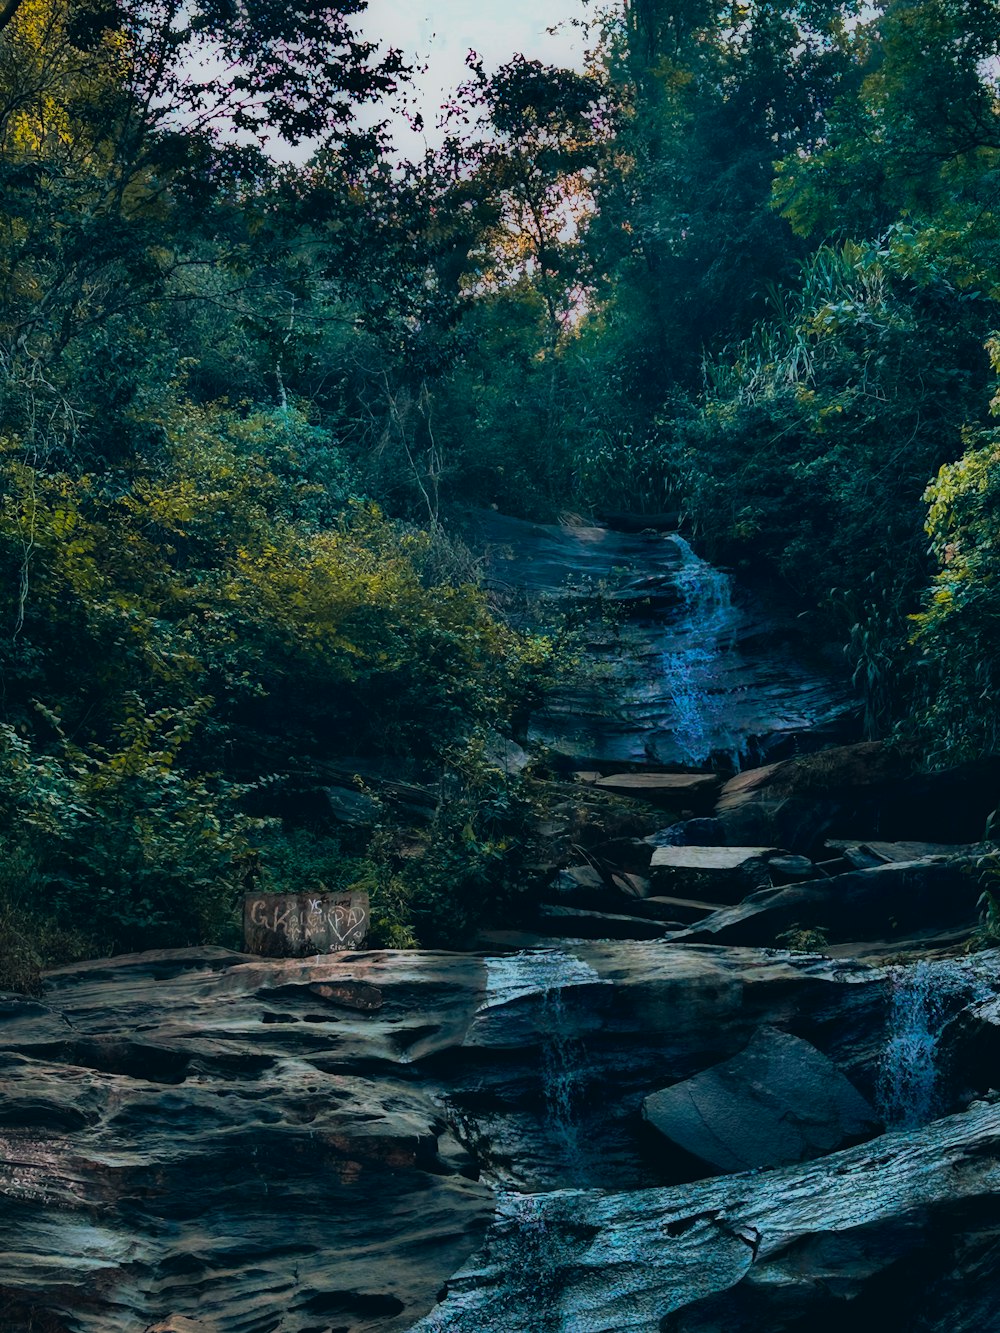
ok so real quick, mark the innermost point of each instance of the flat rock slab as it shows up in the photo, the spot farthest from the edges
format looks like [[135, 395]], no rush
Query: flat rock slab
[[664, 908], [723, 874], [578, 923], [677, 789], [872, 852], [779, 1101]]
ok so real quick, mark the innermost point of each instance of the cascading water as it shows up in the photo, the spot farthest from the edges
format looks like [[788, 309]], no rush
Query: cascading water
[[705, 629], [921, 999], [678, 673], [562, 1078], [548, 976], [908, 1076]]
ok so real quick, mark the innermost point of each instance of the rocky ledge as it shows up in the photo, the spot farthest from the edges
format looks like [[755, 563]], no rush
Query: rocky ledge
[[198, 1140], [899, 1233]]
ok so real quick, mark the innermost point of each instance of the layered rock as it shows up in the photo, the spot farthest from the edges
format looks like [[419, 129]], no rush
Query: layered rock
[[898, 1233], [301, 1144], [857, 791]]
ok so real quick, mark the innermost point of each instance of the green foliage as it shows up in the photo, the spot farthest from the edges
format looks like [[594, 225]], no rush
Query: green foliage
[[811, 449], [955, 637], [987, 933], [303, 860], [804, 939], [474, 866], [120, 845], [237, 400]]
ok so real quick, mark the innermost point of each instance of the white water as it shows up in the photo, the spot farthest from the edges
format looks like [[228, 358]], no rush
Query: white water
[[562, 1079], [548, 974], [705, 631], [509, 977], [922, 998]]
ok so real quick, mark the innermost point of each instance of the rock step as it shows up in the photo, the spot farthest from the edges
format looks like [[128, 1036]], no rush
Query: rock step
[[879, 903], [678, 790], [862, 855], [723, 874], [580, 923], [662, 908]]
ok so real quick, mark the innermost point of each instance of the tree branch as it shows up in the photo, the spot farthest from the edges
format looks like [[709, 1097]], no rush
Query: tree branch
[[9, 12]]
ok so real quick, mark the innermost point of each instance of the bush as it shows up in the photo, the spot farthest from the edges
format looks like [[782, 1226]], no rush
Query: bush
[[475, 864], [956, 638], [120, 847]]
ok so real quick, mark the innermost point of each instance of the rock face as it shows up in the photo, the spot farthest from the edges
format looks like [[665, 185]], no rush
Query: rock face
[[880, 903], [303, 1144], [160, 1164], [778, 1101], [693, 672], [899, 1233], [315, 1144]]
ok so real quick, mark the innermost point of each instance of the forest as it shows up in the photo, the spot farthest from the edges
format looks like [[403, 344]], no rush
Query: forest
[[744, 266]]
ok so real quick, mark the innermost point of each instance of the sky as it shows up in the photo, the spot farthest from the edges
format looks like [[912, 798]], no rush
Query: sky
[[440, 33]]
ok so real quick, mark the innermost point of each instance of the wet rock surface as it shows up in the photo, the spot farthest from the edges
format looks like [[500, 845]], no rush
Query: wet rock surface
[[689, 669], [314, 1143], [902, 1229]]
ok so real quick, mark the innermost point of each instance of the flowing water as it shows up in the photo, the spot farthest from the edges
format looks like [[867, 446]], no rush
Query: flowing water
[[681, 671], [563, 1079], [546, 979], [922, 998]]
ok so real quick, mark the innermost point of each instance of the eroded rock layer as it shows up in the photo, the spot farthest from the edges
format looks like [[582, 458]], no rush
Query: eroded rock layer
[[312, 1144]]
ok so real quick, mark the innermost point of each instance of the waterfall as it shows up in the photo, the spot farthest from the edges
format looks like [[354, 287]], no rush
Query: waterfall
[[546, 976], [705, 630], [908, 1075], [512, 976], [562, 1060], [921, 1000]]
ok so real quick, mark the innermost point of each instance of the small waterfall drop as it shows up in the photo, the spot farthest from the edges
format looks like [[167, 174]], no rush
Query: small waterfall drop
[[562, 1077], [547, 977], [921, 1000], [908, 1076]]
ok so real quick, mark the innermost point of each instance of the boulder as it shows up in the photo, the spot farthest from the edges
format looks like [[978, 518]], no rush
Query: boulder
[[874, 904], [630, 885], [867, 790], [788, 869], [779, 1101], [628, 854], [676, 790]]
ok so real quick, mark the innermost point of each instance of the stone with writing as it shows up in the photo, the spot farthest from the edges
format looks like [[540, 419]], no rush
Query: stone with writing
[[298, 925]]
